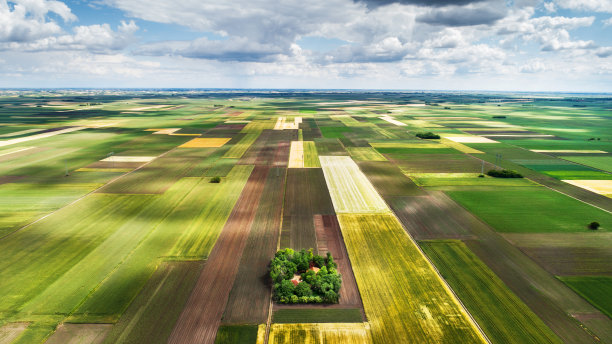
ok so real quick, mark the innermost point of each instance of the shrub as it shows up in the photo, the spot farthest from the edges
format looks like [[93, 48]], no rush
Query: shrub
[[428, 135], [504, 174], [215, 180], [594, 225]]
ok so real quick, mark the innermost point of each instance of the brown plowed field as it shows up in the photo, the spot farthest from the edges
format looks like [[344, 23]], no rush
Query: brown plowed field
[[329, 239], [306, 195], [281, 155], [568, 254], [249, 299], [434, 216], [388, 179], [254, 153], [202, 314]]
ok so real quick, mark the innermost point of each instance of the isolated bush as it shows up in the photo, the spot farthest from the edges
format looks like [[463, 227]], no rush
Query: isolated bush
[[215, 180], [428, 135], [504, 174], [594, 225]]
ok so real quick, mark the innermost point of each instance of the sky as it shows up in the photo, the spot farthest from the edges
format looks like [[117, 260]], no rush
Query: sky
[[497, 45]]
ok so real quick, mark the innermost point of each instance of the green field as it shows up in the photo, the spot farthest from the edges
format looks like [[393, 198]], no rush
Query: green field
[[108, 223], [596, 289], [530, 210], [502, 315]]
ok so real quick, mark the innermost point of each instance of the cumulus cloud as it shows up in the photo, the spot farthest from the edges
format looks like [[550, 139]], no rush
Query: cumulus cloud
[[26, 20], [433, 3], [232, 49], [94, 38], [608, 22], [462, 16], [587, 5]]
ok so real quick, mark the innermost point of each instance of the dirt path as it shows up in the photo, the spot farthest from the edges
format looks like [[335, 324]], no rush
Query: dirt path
[[202, 315]]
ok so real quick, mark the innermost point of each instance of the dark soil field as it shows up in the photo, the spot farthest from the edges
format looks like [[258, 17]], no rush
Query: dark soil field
[[249, 298], [306, 195]]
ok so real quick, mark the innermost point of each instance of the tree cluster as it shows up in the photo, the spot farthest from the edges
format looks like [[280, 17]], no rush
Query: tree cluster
[[504, 174], [315, 287], [428, 135]]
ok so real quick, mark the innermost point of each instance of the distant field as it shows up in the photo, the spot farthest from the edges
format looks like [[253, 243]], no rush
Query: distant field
[[530, 209]]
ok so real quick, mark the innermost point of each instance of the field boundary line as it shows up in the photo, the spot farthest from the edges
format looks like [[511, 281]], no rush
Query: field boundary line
[[278, 241], [85, 195], [467, 312]]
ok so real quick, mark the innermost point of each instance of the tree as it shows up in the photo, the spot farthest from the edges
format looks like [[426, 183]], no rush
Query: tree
[[330, 262], [594, 225], [285, 289], [303, 289]]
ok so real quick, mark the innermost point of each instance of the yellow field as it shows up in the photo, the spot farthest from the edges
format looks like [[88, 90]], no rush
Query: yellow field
[[340, 333], [402, 295], [350, 189], [602, 187], [296, 155], [207, 142]]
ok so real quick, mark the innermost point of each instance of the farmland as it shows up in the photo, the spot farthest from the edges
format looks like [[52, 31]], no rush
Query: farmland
[[152, 216]]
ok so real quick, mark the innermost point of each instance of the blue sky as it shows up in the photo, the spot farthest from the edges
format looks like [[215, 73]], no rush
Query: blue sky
[[512, 45]]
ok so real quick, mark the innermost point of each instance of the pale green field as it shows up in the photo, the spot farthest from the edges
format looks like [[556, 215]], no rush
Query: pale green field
[[350, 190]]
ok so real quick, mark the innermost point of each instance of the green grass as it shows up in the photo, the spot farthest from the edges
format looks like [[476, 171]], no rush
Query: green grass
[[153, 313], [600, 162], [334, 132], [22, 203], [241, 146], [578, 175], [238, 334], [317, 315], [202, 215], [530, 209], [34, 258], [595, 289], [476, 181], [365, 154], [501, 314], [311, 156], [110, 297]]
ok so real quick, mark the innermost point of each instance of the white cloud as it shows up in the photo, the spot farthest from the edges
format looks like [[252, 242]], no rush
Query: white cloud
[[94, 38], [587, 5], [26, 20], [608, 22], [550, 7]]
